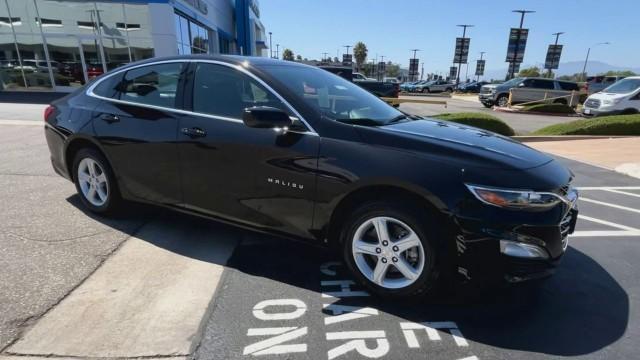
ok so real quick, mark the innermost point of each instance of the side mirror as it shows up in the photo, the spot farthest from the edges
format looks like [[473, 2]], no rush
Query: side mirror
[[265, 117]]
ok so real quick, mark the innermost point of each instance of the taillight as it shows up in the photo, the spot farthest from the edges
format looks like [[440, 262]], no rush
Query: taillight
[[47, 112]]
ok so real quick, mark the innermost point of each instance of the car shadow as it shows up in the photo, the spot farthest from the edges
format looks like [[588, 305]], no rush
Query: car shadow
[[578, 311]]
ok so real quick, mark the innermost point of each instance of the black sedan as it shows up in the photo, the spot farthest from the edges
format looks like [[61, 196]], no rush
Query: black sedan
[[294, 150]]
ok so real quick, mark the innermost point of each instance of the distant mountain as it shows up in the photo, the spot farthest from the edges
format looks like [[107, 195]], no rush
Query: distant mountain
[[566, 68]]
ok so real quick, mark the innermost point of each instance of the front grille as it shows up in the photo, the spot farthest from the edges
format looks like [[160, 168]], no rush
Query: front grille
[[592, 103], [565, 227]]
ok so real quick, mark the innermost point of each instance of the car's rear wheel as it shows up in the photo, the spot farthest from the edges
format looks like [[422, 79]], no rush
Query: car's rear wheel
[[388, 248], [95, 181]]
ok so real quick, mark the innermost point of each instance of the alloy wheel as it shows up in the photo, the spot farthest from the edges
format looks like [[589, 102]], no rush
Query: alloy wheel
[[388, 252], [93, 182], [502, 101]]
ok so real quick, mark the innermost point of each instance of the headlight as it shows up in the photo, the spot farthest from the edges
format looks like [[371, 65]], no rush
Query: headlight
[[493, 91], [514, 198], [611, 101]]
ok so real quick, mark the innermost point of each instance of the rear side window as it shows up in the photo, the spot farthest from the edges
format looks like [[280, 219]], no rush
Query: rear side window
[[108, 87], [152, 85], [221, 91], [569, 86]]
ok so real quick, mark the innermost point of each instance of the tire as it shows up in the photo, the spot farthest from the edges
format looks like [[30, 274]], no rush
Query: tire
[[502, 100], [629, 112], [427, 90], [359, 231], [91, 171], [449, 90]]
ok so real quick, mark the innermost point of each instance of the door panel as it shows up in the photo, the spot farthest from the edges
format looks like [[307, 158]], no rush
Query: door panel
[[259, 177], [140, 137]]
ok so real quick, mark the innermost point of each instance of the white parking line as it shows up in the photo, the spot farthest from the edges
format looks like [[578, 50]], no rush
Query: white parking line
[[608, 223], [610, 205], [604, 233], [623, 192], [608, 187]]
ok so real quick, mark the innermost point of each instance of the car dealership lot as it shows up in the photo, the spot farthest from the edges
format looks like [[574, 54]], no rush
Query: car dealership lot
[[278, 299]]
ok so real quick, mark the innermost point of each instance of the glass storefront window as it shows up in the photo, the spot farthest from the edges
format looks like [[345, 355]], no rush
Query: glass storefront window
[[116, 52], [11, 76], [33, 62], [141, 48], [192, 37]]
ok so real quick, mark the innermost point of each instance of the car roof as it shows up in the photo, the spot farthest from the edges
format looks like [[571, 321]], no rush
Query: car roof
[[231, 59]]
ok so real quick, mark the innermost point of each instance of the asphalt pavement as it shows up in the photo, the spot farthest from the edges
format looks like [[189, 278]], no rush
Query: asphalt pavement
[[523, 124], [278, 299]]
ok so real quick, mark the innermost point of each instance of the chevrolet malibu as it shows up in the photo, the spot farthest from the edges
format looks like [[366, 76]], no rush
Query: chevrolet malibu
[[294, 150]]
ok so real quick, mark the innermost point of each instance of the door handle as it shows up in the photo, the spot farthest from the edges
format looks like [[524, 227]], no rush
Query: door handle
[[194, 132], [110, 118]]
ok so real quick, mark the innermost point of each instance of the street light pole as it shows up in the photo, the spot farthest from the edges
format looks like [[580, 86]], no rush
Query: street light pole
[[277, 51], [270, 46], [464, 33], [515, 53], [584, 68], [324, 56]]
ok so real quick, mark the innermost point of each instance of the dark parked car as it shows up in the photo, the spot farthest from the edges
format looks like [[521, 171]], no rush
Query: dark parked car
[[294, 150], [378, 88], [472, 87]]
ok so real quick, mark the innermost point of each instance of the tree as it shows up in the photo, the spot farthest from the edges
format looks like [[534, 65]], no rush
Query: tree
[[360, 53], [533, 71], [393, 70], [287, 54], [335, 59], [625, 73], [298, 57]]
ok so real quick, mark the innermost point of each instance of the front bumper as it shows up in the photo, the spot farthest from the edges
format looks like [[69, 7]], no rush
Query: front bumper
[[483, 256], [599, 112], [486, 98]]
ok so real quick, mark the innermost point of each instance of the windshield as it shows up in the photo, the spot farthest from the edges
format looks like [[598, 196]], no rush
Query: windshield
[[512, 82], [333, 96], [623, 86]]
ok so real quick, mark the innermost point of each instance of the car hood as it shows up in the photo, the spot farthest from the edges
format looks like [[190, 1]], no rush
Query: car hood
[[470, 146], [608, 96]]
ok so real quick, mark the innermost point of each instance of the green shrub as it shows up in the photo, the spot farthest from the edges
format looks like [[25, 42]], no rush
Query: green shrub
[[479, 120], [550, 108], [606, 125]]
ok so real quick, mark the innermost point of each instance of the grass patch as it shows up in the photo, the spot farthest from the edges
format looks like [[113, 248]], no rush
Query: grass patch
[[479, 120], [606, 125], [549, 108]]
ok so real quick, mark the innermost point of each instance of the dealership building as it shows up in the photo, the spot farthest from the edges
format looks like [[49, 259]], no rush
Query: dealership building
[[59, 45]]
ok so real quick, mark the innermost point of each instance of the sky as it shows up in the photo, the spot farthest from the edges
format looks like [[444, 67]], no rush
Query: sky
[[391, 28]]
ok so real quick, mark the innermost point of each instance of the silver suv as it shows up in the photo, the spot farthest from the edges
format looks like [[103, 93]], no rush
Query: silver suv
[[529, 90]]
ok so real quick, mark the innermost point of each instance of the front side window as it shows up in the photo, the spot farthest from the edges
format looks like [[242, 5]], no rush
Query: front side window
[[152, 85], [222, 91], [333, 96]]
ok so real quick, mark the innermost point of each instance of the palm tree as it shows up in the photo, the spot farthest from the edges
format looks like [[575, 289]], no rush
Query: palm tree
[[287, 54], [360, 54]]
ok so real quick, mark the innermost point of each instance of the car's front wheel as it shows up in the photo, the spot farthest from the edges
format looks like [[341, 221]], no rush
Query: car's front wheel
[[95, 181], [388, 248]]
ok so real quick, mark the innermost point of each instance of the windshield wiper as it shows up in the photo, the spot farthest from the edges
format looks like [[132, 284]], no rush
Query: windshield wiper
[[403, 117], [360, 121]]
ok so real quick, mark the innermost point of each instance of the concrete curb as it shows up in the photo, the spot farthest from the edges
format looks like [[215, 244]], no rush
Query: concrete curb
[[515, 111], [533, 138], [441, 95]]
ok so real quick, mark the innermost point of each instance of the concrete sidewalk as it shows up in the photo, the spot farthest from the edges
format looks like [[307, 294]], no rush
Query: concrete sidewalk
[[621, 154]]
